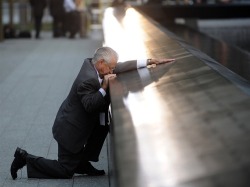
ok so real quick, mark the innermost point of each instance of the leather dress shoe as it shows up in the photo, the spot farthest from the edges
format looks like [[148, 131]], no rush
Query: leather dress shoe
[[88, 169], [18, 162]]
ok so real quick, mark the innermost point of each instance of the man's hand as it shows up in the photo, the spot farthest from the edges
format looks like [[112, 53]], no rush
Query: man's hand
[[105, 82], [160, 61]]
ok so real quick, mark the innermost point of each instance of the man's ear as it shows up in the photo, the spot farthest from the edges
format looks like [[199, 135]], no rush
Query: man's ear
[[100, 62]]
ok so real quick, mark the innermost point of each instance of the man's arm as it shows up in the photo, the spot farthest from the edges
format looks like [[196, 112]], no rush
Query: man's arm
[[159, 61], [136, 64], [91, 98]]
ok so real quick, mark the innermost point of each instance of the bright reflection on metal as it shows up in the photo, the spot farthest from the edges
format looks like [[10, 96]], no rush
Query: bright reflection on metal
[[160, 141], [127, 36], [147, 113], [144, 108], [152, 118]]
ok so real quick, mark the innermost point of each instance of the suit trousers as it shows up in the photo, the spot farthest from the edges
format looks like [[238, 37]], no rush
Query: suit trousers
[[58, 25], [68, 163], [38, 25], [73, 23]]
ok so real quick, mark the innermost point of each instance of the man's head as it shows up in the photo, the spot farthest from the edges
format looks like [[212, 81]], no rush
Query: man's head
[[105, 60]]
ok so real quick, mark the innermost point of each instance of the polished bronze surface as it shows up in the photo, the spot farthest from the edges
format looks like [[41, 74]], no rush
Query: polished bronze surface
[[205, 11], [230, 56], [177, 124]]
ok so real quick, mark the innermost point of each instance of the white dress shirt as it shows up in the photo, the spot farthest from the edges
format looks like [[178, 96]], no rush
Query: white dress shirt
[[69, 5]]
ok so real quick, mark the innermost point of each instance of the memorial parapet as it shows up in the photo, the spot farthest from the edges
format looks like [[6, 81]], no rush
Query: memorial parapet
[[167, 13], [184, 123]]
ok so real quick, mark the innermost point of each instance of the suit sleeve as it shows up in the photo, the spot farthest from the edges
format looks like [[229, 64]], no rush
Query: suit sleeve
[[130, 65], [125, 66], [91, 99]]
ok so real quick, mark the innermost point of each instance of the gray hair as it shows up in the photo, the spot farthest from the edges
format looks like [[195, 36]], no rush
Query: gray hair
[[106, 53]]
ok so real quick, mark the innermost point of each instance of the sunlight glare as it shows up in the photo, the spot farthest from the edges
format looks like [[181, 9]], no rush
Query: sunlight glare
[[145, 110], [127, 39]]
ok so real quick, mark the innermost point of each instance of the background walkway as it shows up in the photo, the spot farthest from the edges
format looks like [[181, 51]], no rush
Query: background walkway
[[35, 77]]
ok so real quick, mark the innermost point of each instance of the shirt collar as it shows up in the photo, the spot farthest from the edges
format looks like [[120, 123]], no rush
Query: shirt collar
[[100, 80]]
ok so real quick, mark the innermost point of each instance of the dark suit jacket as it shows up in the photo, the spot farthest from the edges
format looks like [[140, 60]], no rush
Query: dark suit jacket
[[56, 8], [79, 113]]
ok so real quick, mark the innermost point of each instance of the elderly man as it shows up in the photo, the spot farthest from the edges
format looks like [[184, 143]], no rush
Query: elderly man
[[81, 124]]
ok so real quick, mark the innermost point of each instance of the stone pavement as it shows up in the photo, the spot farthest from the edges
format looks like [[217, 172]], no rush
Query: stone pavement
[[35, 77]]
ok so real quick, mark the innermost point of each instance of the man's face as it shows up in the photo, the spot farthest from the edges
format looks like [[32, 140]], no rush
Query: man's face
[[106, 68]]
